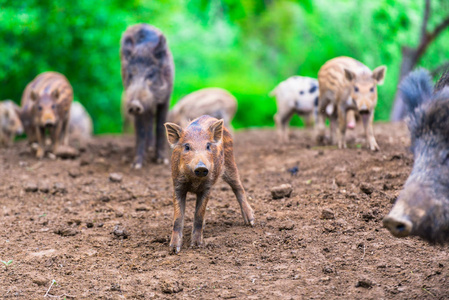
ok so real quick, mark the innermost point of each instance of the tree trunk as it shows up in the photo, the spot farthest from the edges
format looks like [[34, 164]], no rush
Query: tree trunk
[[409, 60]]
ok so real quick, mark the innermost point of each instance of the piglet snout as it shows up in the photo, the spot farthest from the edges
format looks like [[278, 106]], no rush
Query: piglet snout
[[201, 170]]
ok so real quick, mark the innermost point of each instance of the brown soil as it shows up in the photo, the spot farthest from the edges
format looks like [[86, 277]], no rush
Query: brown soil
[[100, 239]]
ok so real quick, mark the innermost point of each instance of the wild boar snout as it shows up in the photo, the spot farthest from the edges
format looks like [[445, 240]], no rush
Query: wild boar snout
[[409, 211], [201, 170], [135, 107]]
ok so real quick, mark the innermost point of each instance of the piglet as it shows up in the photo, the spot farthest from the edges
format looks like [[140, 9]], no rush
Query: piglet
[[202, 152]]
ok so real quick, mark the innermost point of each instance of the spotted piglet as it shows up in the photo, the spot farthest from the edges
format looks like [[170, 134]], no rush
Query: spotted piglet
[[295, 95]]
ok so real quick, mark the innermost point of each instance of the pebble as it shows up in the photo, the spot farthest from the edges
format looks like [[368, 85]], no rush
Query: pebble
[[30, 187], [170, 286], [284, 190], [59, 187], [120, 232], [44, 187], [367, 188], [115, 177], [327, 214], [364, 283]]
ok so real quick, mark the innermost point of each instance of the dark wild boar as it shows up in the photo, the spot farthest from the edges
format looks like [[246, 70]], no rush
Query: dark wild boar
[[45, 105], [10, 124], [215, 102], [347, 84], [422, 208], [202, 152], [147, 75]]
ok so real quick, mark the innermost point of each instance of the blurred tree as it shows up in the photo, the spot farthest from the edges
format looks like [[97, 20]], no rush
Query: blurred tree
[[411, 56]]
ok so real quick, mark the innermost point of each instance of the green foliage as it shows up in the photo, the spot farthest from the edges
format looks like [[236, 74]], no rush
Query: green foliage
[[245, 46]]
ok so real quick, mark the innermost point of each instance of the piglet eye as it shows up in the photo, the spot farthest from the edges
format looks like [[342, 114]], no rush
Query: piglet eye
[[356, 89], [39, 107], [371, 90], [187, 147], [208, 147], [53, 106]]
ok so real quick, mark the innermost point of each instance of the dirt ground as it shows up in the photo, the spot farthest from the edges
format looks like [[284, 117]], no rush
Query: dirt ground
[[65, 220]]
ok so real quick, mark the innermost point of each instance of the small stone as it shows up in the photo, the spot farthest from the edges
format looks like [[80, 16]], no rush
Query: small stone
[[104, 198], [74, 173], [120, 232], [30, 187], [284, 190], [364, 283], [89, 224], [59, 187], [84, 162], [115, 177], [67, 152], [40, 280], [44, 187], [66, 231], [288, 226], [170, 286], [367, 188], [327, 214]]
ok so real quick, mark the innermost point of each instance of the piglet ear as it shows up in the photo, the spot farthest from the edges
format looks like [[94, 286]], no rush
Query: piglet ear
[[217, 130], [350, 75], [379, 74], [55, 94], [33, 96], [173, 133]]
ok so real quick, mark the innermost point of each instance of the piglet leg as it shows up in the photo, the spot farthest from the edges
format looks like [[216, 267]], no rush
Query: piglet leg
[[231, 176], [179, 204], [198, 223]]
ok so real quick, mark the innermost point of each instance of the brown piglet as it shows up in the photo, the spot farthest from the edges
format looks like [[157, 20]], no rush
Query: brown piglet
[[202, 152], [46, 105]]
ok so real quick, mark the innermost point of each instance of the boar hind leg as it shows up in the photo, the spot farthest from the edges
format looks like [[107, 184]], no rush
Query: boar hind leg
[[282, 119], [368, 124], [179, 204], [139, 123], [65, 132], [198, 223], [149, 141], [341, 131], [231, 176], [161, 117], [40, 137], [55, 136]]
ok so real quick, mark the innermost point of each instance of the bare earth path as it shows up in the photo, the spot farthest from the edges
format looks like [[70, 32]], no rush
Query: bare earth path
[[65, 230]]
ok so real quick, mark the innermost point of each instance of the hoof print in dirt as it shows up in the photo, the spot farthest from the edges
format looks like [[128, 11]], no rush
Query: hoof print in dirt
[[367, 188], [282, 191], [115, 177], [364, 283], [327, 214], [66, 231], [30, 187], [171, 287], [120, 232]]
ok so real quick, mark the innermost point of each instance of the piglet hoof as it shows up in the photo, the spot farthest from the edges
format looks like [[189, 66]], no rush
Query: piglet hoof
[[174, 249], [136, 166], [161, 161], [40, 153], [374, 147], [197, 242]]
